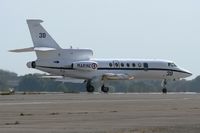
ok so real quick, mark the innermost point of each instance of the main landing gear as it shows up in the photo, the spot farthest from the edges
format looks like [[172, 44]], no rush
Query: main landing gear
[[104, 89], [90, 88], [163, 84]]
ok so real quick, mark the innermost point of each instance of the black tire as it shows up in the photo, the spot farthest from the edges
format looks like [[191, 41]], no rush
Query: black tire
[[90, 88], [104, 89], [164, 90]]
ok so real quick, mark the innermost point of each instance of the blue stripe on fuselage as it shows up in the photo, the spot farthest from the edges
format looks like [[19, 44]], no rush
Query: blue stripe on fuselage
[[107, 68]]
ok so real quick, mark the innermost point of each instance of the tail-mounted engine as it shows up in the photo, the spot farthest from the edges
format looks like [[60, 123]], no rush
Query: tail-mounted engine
[[31, 64]]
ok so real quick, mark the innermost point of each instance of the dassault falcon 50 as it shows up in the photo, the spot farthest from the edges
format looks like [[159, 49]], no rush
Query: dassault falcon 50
[[78, 65]]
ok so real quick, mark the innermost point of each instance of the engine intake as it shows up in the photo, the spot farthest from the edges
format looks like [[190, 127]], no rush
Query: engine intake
[[31, 64]]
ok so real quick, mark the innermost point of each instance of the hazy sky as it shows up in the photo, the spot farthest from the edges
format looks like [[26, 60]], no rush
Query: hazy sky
[[160, 29]]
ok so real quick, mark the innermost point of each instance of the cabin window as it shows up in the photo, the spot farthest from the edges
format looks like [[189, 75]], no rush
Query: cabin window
[[116, 64], [122, 64], [133, 64], [110, 64], [139, 65], [127, 64]]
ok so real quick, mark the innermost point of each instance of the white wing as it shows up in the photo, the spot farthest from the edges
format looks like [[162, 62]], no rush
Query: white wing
[[112, 76], [64, 79]]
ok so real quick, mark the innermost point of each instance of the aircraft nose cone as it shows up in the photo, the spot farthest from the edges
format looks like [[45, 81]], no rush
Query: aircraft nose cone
[[190, 74], [187, 73]]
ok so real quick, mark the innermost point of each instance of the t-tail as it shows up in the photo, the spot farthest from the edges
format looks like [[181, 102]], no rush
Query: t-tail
[[46, 48], [40, 36], [42, 41]]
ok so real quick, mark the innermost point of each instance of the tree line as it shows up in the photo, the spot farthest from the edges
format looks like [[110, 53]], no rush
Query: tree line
[[34, 83]]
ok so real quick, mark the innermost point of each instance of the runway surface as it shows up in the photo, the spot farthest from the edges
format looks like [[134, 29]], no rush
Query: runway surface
[[100, 113]]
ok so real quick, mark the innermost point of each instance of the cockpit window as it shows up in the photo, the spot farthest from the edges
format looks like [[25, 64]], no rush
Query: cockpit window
[[171, 65]]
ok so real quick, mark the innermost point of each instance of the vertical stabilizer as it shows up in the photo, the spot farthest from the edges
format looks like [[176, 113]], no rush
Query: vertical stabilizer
[[40, 36]]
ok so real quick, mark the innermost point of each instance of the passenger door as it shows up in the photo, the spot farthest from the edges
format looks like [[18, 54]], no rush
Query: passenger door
[[146, 66]]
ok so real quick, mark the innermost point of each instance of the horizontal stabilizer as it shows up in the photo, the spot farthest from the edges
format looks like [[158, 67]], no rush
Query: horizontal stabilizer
[[43, 49], [31, 49], [22, 50]]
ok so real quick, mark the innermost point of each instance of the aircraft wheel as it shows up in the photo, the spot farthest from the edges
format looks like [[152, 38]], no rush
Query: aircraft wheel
[[104, 89], [164, 90], [90, 88], [163, 84]]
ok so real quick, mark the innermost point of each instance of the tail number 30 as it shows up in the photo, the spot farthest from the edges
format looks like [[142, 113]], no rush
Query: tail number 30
[[42, 35]]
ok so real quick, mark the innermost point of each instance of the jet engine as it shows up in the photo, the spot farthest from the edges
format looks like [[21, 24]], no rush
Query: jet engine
[[31, 64]]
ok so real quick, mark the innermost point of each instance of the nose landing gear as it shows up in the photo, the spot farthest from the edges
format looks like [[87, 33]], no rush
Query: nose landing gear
[[164, 90], [163, 84]]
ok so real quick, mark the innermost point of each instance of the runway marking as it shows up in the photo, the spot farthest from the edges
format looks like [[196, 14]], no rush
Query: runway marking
[[187, 98], [25, 103], [88, 101]]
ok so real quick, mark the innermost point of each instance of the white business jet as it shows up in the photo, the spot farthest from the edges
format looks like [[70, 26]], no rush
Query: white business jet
[[77, 65]]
